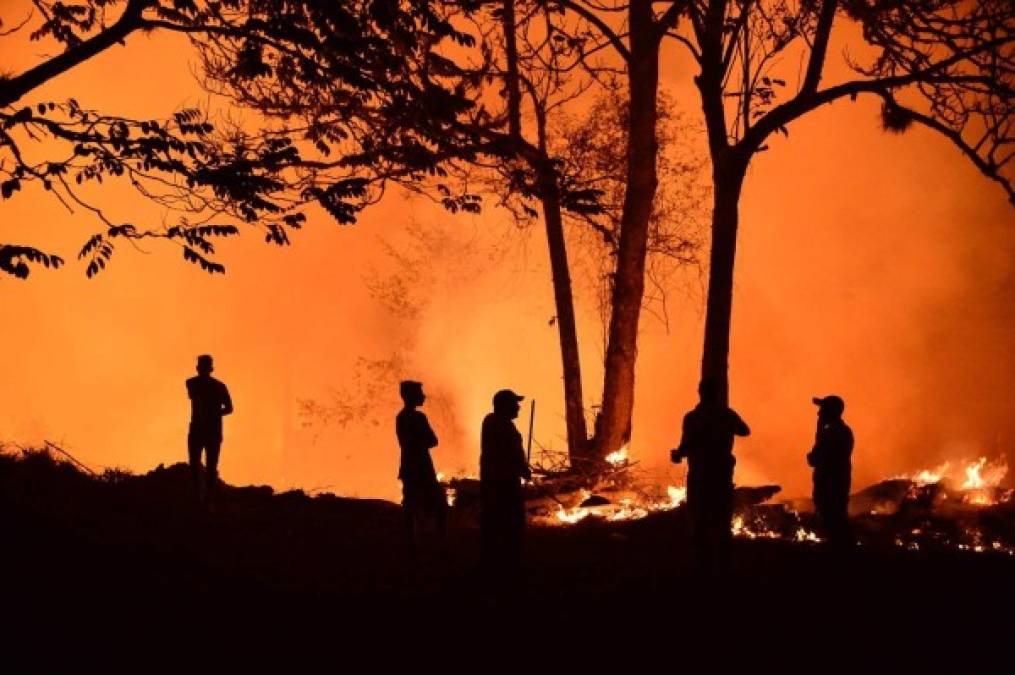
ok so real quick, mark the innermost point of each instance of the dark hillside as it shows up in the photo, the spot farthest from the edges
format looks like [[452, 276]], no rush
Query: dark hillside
[[119, 554]]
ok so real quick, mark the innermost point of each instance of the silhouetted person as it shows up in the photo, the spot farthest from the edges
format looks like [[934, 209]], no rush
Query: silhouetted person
[[209, 401], [502, 466], [707, 443], [833, 448], [421, 493]]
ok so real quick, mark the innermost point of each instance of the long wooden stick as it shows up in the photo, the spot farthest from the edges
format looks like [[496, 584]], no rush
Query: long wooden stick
[[82, 465], [532, 418]]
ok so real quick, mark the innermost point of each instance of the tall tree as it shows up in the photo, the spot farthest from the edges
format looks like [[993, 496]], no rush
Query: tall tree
[[625, 37], [524, 74], [517, 82], [540, 68], [945, 65]]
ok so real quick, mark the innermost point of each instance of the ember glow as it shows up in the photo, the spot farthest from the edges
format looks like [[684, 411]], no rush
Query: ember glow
[[618, 458], [449, 492], [627, 508], [932, 509], [957, 505], [741, 528]]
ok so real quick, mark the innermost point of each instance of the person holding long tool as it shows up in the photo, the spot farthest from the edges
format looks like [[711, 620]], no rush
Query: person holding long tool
[[502, 466]]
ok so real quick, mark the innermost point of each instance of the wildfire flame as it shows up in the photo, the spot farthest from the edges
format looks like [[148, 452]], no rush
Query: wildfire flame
[[806, 535], [975, 483], [628, 508], [677, 495], [574, 514], [449, 492], [740, 528], [930, 476], [618, 457], [980, 480]]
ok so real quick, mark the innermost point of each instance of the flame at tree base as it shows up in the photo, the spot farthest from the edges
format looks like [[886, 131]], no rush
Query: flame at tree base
[[952, 507]]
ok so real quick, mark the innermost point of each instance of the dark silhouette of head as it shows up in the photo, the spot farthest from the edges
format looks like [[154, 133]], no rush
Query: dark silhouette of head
[[830, 407], [505, 403], [412, 393], [708, 390], [204, 364]]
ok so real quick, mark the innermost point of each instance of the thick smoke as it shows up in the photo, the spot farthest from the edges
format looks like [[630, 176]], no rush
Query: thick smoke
[[875, 266]]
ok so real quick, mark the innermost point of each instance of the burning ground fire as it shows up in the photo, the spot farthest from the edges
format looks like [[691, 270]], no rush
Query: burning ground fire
[[958, 505], [981, 480], [630, 507], [955, 506], [635, 504], [626, 509]]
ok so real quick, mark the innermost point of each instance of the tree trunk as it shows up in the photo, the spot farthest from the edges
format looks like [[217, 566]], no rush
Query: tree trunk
[[613, 428], [728, 177], [574, 406]]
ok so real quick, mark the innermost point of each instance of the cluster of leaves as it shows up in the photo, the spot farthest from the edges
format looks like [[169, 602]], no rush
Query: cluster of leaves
[[350, 95], [14, 259], [174, 162], [955, 65], [946, 64], [362, 88]]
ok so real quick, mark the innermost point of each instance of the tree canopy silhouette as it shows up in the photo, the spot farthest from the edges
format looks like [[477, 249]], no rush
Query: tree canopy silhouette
[[947, 65], [374, 55], [521, 77]]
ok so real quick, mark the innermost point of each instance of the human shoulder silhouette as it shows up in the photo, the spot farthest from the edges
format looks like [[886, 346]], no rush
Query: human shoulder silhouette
[[209, 397], [502, 456], [209, 402], [422, 494]]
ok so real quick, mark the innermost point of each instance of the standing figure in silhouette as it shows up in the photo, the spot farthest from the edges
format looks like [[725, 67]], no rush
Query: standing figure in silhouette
[[833, 448], [707, 443], [421, 493], [209, 401], [502, 466]]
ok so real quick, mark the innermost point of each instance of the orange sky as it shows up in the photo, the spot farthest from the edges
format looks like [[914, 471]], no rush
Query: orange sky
[[877, 267]]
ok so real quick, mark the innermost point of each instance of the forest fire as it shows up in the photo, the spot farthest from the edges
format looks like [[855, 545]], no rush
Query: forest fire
[[955, 506], [626, 508], [980, 481], [623, 210], [618, 458], [959, 505]]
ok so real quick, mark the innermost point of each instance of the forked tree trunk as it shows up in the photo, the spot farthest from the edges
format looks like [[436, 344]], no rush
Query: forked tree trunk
[[613, 429]]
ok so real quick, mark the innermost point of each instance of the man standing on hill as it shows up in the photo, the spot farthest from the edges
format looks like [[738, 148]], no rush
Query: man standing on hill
[[421, 492], [209, 401], [707, 443], [833, 448], [502, 466]]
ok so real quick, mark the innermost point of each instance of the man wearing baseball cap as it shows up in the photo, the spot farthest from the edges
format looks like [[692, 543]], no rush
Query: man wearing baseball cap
[[502, 466], [830, 457]]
